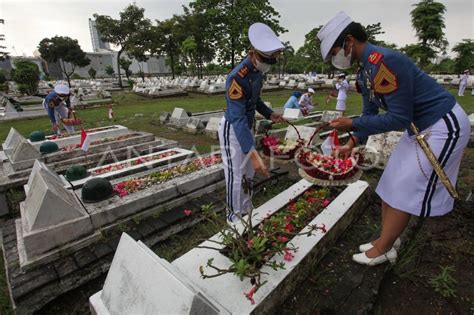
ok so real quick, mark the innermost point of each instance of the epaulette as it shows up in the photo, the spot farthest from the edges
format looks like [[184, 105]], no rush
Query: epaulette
[[243, 71]]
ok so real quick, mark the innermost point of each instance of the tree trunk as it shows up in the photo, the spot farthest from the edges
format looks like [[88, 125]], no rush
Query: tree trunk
[[172, 65], [118, 68], [63, 66]]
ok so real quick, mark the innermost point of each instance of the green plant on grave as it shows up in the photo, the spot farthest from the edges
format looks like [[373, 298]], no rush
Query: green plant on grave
[[255, 247], [444, 283]]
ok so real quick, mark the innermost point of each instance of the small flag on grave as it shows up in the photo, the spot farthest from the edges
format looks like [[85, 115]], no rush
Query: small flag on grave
[[331, 143], [85, 140]]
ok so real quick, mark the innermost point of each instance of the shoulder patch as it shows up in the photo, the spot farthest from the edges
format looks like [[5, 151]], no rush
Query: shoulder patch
[[375, 57], [385, 81], [235, 91], [51, 104], [243, 71]]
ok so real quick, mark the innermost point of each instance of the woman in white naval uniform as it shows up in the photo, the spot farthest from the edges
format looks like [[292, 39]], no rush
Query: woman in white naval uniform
[[243, 88], [342, 87], [389, 80]]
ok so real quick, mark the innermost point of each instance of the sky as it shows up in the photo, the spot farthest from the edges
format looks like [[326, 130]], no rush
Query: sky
[[27, 22]]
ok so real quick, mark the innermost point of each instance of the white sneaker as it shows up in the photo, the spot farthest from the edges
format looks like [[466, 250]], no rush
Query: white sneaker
[[362, 258], [365, 247]]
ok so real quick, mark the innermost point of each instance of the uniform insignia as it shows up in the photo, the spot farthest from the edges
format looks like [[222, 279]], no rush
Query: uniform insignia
[[235, 91], [385, 81], [243, 71], [375, 57], [51, 104]]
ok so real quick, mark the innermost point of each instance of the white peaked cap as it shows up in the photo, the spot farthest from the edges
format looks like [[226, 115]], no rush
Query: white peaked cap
[[61, 89], [331, 31], [310, 90], [264, 39]]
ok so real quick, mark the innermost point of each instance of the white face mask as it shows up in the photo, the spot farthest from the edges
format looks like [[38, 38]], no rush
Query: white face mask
[[341, 61], [263, 67]]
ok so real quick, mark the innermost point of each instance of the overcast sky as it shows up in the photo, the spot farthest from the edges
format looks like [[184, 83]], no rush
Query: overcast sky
[[29, 21]]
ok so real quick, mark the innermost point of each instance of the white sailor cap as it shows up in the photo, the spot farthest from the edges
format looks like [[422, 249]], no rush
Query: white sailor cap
[[466, 71], [331, 31], [264, 39], [310, 90], [61, 89]]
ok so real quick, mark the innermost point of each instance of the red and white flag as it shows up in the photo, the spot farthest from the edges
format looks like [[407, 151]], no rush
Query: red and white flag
[[85, 140], [111, 112], [331, 143]]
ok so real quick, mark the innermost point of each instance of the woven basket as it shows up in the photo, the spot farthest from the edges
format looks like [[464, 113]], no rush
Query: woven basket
[[269, 153], [323, 177]]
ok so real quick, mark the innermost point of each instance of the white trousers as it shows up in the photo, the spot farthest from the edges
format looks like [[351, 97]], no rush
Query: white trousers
[[238, 172], [462, 87], [341, 105]]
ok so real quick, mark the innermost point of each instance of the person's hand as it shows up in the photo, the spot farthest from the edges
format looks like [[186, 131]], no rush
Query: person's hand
[[56, 129], [341, 123], [346, 150], [277, 117], [257, 163]]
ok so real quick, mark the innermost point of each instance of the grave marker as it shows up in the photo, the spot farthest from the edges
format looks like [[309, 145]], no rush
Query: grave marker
[[292, 113]]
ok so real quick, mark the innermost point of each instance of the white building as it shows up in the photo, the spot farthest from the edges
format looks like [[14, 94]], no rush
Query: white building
[[97, 44]]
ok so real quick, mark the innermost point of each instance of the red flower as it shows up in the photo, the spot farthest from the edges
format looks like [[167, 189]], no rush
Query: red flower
[[288, 256], [289, 227], [312, 200], [322, 228], [325, 202], [282, 239], [250, 294], [187, 212], [250, 244]]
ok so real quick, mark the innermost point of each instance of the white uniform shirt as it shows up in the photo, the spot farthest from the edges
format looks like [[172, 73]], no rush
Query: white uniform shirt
[[463, 80], [306, 102], [342, 87]]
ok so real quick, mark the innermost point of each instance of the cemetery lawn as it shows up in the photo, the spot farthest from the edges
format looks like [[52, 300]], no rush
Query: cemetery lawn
[[140, 113]]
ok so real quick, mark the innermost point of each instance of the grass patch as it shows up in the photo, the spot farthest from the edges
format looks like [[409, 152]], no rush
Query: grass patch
[[444, 283]]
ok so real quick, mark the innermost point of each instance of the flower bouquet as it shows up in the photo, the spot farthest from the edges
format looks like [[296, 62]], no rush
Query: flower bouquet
[[72, 120], [281, 149], [326, 170]]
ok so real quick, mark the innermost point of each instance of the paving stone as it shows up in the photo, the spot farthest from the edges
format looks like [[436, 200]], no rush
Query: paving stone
[[65, 266], [84, 257], [157, 223], [173, 215], [101, 249], [145, 228], [29, 281]]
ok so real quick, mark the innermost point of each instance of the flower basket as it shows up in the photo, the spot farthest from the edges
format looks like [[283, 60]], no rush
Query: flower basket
[[323, 170], [283, 150], [71, 121]]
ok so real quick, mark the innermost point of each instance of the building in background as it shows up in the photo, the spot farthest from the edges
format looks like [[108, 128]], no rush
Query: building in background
[[98, 45]]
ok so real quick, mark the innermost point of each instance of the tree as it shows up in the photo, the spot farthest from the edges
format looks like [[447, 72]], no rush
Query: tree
[[287, 54], [428, 21], [125, 65], [229, 20], [123, 32], [464, 55], [109, 70], [167, 33], [26, 75], [188, 48], [92, 73], [65, 50]]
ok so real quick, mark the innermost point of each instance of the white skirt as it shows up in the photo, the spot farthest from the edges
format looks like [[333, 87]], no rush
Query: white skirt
[[405, 186], [341, 105]]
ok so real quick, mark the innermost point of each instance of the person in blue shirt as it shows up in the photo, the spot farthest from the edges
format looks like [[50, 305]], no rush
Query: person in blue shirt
[[243, 89], [57, 104], [396, 93], [293, 101]]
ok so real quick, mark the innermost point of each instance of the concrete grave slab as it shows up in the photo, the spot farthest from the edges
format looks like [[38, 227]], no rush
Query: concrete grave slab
[[194, 125], [41, 167], [305, 132], [23, 155], [379, 147], [135, 282], [12, 139], [228, 290], [212, 127], [329, 115]]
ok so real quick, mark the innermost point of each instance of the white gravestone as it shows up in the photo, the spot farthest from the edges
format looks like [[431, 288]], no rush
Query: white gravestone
[[51, 216], [329, 115], [380, 147], [212, 127], [40, 166], [292, 113], [179, 117], [12, 139], [140, 282], [24, 151], [305, 132]]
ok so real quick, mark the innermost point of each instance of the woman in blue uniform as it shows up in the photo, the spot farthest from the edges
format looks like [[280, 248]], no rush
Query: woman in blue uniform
[[243, 89], [389, 80]]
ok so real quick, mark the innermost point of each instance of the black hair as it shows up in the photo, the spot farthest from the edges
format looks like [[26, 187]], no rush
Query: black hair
[[354, 29]]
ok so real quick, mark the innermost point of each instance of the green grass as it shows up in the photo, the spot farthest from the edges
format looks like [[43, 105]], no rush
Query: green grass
[[147, 110]]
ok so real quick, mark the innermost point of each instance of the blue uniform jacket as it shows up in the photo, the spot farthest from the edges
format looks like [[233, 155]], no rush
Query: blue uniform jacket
[[243, 87], [51, 101], [389, 80], [293, 102]]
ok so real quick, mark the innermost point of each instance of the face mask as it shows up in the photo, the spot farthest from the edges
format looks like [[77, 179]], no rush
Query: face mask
[[340, 61], [263, 67]]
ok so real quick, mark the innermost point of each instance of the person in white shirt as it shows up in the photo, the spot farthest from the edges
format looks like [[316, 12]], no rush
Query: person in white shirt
[[306, 102], [342, 86], [463, 82]]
